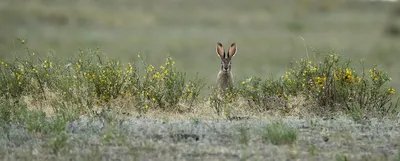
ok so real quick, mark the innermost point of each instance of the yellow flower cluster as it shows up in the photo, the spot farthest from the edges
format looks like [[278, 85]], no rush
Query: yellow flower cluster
[[321, 81], [46, 64], [78, 66], [188, 91], [90, 76], [156, 78], [4, 64], [129, 70], [391, 91], [309, 67], [107, 77], [18, 76], [346, 76], [375, 75], [287, 77]]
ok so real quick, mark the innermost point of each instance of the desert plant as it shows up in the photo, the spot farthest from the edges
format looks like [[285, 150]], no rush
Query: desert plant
[[333, 83]]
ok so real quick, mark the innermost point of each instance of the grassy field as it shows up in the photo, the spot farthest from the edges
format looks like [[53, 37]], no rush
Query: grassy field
[[267, 32], [133, 80]]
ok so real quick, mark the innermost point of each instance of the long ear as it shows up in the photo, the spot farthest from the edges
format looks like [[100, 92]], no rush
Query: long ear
[[220, 50], [232, 50]]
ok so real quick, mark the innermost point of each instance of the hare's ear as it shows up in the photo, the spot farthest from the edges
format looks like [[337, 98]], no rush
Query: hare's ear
[[220, 50], [232, 50]]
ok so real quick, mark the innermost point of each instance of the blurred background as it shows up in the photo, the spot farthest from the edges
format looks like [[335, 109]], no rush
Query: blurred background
[[267, 32]]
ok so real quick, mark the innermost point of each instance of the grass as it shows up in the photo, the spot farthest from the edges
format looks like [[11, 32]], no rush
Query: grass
[[278, 133], [117, 97]]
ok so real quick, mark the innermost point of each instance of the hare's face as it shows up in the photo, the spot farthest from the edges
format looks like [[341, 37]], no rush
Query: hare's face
[[226, 57], [225, 64]]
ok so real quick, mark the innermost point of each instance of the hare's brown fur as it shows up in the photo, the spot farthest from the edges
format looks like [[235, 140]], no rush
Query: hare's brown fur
[[224, 80]]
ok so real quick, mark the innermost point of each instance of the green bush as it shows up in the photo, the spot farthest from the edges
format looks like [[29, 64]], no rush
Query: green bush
[[27, 77], [107, 78], [90, 78], [333, 83], [165, 87]]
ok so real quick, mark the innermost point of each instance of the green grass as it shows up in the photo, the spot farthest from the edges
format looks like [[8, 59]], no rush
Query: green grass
[[279, 133]]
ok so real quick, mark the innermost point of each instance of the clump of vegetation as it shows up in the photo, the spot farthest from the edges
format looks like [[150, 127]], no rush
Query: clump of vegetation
[[279, 133], [221, 102], [333, 83], [106, 78], [91, 79], [165, 87]]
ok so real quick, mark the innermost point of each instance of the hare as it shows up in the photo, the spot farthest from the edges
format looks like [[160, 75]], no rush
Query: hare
[[224, 77]]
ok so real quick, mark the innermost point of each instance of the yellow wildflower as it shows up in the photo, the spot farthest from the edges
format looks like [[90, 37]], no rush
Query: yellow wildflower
[[321, 81], [391, 91]]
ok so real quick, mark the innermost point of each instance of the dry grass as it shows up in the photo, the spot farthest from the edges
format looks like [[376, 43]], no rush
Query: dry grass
[[122, 108]]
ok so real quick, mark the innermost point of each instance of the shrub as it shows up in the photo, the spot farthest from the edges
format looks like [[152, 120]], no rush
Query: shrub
[[259, 92], [27, 76], [333, 83], [165, 87], [93, 78], [107, 78]]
